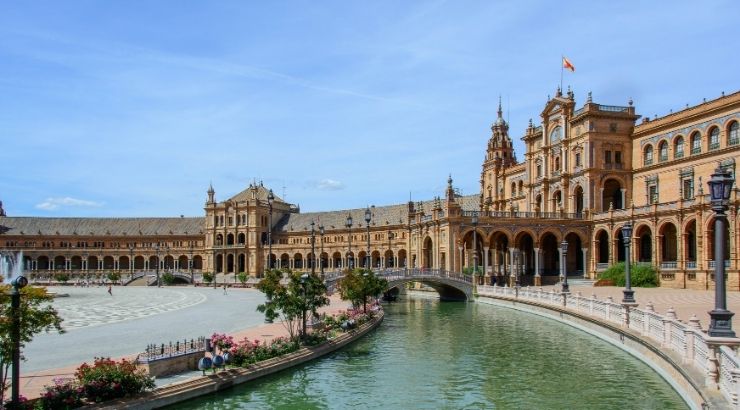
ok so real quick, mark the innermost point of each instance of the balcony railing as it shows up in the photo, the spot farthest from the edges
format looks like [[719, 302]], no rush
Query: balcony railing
[[712, 264], [613, 108], [690, 264], [696, 150], [602, 266], [714, 146], [734, 141], [669, 265]]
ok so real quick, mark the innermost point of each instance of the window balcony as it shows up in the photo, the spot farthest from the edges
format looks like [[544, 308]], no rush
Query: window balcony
[[678, 154], [696, 150], [733, 141], [714, 146], [690, 264], [669, 265]]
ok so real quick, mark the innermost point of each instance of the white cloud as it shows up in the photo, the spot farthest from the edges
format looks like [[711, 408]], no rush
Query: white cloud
[[51, 204], [330, 185]]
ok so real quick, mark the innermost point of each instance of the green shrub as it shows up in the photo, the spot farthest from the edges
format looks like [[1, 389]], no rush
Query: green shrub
[[469, 270], [114, 276], [61, 277], [642, 275], [242, 277], [207, 277], [168, 278], [64, 394]]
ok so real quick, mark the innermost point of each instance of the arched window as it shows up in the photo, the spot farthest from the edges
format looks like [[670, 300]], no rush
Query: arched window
[[521, 188], [663, 151], [648, 155], [714, 138], [678, 147], [695, 143], [513, 189], [733, 134], [556, 135]]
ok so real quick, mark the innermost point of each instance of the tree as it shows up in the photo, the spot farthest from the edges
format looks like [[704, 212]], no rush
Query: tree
[[288, 301], [243, 277], [357, 285], [36, 314], [114, 276], [207, 277]]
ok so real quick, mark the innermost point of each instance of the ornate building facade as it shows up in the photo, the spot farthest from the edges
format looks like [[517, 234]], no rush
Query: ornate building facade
[[586, 171]]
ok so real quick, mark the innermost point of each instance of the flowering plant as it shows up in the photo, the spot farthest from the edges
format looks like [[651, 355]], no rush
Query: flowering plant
[[222, 341], [107, 379], [64, 394]]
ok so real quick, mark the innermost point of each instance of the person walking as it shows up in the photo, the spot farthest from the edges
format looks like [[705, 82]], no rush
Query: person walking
[[224, 288], [110, 290]]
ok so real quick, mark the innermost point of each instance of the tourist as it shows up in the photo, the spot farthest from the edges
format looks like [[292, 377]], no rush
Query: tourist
[[110, 290]]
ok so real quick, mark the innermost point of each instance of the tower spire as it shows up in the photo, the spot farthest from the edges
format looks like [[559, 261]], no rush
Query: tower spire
[[500, 111]]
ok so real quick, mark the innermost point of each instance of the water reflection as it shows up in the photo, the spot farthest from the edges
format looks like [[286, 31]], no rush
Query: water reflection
[[432, 355]]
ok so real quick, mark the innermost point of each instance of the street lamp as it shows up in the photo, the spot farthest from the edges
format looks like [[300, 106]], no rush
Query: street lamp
[[313, 248], [270, 200], [364, 292], [720, 187], [474, 221], [15, 335], [368, 217], [304, 279], [564, 251], [350, 259], [156, 250], [629, 294], [321, 255]]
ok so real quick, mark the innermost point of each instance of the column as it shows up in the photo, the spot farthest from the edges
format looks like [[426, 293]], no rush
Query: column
[[585, 262], [462, 258], [485, 260], [537, 273], [624, 198], [601, 200]]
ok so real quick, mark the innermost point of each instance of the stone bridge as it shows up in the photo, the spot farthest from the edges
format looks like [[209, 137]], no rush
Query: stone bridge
[[151, 277], [449, 285]]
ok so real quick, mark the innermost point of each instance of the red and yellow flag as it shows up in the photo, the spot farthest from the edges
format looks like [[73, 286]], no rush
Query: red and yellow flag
[[568, 65]]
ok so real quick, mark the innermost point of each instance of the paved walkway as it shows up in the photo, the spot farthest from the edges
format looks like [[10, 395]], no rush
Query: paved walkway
[[99, 326], [685, 302]]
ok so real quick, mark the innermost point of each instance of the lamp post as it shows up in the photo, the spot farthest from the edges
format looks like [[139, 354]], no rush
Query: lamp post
[[720, 188], [629, 294], [156, 250], [474, 221], [15, 335], [321, 255], [350, 259], [131, 260], [304, 279], [564, 252], [313, 248], [364, 292], [270, 200], [368, 217]]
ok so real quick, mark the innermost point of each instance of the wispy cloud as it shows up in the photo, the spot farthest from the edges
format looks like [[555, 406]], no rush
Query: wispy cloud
[[52, 204], [330, 185]]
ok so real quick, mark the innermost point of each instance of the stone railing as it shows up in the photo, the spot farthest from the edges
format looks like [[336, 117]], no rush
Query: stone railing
[[716, 358]]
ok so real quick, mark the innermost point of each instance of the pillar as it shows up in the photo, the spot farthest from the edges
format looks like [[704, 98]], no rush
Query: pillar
[[584, 252], [624, 198], [537, 264], [485, 260]]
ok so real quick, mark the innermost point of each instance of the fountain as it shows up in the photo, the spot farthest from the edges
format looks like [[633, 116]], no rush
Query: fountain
[[11, 265]]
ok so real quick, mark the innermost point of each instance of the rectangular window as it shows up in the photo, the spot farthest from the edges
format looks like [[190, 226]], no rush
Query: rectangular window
[[688, 188], [607, 157], [539, 171], [653, 194], [618, 157], [578, 159]]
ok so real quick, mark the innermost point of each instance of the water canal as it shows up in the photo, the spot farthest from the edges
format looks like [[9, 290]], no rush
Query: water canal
[[433, 355]]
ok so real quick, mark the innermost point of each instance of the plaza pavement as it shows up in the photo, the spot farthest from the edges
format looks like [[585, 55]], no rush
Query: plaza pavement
[[122, 325]]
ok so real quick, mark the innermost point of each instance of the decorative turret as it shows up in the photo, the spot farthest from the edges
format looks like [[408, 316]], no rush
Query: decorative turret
[[450, 193], [2, 211], [500, 148], [211, 193]]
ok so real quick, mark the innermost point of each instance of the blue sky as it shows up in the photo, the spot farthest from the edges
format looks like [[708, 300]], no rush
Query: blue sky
[[131, 108]]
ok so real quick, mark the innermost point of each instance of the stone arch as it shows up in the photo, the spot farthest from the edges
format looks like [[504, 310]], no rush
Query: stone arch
[[284, 260], [139, 262], [219, 263], [230, 239], [549, 246], [60, 262], [241, 239], [612, 194], [525, 243], [668, 242], [92, 263], [241, 263], [574, 256], [375, 259], [389, 260], [169, 262], [689, 245], [403, 258], [427, 253], [182, 262], [298, 261], [578, 199], [678, 146], [601, 250], [337, 259], [197, 262], [644, 243], [109, 263], [42, 263], [219, 240], [124, 263]]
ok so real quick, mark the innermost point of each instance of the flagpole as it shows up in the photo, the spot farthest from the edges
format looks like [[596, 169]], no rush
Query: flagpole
[[561, 71]]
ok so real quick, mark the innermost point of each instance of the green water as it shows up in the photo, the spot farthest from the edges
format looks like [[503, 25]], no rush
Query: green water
[[432, 355]]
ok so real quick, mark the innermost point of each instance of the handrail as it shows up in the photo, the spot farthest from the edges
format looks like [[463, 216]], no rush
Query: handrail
[[688, 340]]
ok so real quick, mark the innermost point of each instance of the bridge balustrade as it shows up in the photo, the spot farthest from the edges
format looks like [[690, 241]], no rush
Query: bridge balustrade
[[717, 359]]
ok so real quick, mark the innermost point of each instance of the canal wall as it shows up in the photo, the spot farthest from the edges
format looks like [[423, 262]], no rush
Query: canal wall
[[689, 382], [199, 386]]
